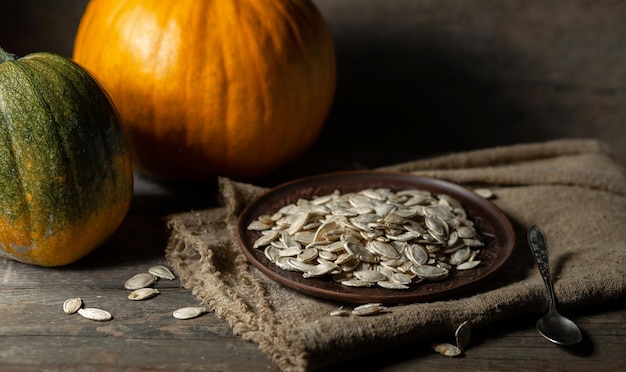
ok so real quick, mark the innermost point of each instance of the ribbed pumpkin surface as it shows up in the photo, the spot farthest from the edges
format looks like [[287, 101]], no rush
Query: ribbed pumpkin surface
[[212, 87], [65, 172]]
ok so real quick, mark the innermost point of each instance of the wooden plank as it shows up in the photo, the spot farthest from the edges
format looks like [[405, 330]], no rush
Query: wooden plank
[[516, 345], [86, 352], [143, 334], [40, 312]]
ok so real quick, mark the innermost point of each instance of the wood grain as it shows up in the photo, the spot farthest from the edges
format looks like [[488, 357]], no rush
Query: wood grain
[[516, 345]]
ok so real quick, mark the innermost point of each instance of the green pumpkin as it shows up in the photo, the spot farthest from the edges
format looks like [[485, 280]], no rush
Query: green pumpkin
[[66, 179]]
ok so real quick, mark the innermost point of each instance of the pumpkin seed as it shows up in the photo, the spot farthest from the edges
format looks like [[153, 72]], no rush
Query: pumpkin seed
[[463, 334], [284, 263], [358, 251], [260, 225], [272, 253], [71, 305], [301, 219], [320, 270], [484, 193], [416, 253], [429, 272], [267, 237], [141, 280], [460, 256], [299, 265], [308, 254], [383, 249], [437, 225], [370, 275], [355, 282], [189, 312], [446, 349], [93, 313], [401, 278], [392, 285], [143, 294], [162, 272], [340, 312], [330, 256], [369, 309], [468, 265], [465, 232], [289, 252]]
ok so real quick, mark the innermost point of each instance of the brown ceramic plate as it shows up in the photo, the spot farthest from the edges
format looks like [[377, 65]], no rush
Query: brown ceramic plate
[[486, 216]]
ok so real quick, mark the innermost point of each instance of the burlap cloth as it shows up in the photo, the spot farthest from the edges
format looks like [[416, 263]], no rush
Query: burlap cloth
[[572, 189]]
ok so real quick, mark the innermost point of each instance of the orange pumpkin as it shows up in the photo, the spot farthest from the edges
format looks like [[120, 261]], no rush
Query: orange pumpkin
[[212, 87]]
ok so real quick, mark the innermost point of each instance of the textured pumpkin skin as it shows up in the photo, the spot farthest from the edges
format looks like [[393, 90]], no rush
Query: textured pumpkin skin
[[65, 171], [212, 87]]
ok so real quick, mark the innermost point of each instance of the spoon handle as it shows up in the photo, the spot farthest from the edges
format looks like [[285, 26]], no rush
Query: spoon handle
[[539, 248]]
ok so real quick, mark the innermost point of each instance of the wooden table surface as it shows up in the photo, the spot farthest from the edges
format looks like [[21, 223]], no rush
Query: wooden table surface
[[35, 333]]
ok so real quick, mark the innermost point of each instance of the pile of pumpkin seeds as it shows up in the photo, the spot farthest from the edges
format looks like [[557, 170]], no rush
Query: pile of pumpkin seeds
[[142, 287], [371, 237]]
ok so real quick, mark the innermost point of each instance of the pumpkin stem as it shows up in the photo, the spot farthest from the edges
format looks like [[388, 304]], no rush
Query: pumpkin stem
[[6, 56]]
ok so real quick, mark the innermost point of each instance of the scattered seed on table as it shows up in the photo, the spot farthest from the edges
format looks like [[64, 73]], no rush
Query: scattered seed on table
[[141, 280], [98, 315], [143, 294], [446, 349], [189, 312], [162, 272], [71, 305]]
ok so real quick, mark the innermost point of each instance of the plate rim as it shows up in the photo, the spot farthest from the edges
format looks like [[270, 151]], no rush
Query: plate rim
[[312, 287]]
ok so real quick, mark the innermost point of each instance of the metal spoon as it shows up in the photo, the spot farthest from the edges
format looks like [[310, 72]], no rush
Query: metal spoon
[[553, 325]]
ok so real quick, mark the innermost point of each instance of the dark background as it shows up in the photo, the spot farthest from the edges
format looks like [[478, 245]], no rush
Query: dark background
[[419, 77]]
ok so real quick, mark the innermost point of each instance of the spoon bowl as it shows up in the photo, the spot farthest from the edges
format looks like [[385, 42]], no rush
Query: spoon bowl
[[553, 326], [559, 329]]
